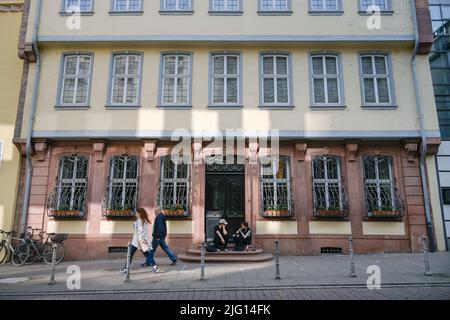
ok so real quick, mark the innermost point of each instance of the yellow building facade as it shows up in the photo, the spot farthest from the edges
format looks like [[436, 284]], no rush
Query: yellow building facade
[[336, 82], [10, 81]]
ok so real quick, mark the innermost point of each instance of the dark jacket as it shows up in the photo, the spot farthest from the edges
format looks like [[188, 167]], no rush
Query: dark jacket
[[160, 227]]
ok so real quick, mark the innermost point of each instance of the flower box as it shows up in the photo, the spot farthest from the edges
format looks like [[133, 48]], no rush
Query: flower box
[[277, 213], [122, 213], [325, 213], [174, 211], [386, 214], [66, 213]]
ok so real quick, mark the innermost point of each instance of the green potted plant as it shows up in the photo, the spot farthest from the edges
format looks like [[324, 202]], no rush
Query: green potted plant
[[65, 211], [385, 212], [180, 210], [119, 211], [284, 211], [276, 211], [173, 210], [332, 212], [268, 211]]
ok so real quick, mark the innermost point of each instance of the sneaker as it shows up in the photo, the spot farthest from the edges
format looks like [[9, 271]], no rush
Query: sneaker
[[155, 269], [122, 272], [144, 265], [174, 263]]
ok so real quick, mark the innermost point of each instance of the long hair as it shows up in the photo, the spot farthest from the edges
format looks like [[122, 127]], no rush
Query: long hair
[[143, 215]]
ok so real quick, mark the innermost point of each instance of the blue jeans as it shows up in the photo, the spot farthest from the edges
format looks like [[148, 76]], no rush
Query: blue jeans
[[133, 250], [155, 243]]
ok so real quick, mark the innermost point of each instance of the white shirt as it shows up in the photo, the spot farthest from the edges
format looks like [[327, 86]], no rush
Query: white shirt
[[140, 232]]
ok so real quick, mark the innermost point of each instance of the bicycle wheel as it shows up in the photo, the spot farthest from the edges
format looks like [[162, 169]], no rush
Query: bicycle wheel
[[20, 253], [3, 252], [47, 253], [34, 252]]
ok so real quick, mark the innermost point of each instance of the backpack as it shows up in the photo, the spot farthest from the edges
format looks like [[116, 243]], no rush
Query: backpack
[[211, 247]]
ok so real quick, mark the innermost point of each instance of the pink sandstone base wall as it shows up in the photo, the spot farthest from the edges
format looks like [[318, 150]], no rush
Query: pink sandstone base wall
[[94, 245]]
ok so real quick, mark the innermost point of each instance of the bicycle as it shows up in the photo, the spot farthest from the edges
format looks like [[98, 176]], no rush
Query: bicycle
[[15, 248], [43, 250]]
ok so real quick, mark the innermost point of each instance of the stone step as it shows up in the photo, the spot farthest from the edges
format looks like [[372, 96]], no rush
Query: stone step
[[227, 258], [227, 253]]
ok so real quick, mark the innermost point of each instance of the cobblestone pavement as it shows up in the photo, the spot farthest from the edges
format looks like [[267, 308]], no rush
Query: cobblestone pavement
[[319, 277], [416, 292]]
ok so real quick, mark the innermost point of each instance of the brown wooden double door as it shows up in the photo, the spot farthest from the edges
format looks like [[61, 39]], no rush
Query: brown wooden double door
[[225, 198]]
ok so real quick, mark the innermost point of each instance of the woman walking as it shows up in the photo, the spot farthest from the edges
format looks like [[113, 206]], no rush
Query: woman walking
[[140, 236]]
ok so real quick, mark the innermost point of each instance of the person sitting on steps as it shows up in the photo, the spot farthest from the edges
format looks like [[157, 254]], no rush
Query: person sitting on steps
[[221, 235], [243, 237]]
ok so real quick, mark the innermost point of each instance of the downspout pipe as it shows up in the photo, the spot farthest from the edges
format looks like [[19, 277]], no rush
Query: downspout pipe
[[424, 149], [29, 163]]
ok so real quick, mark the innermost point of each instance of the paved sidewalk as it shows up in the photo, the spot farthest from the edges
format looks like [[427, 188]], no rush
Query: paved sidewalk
[[328, 273]]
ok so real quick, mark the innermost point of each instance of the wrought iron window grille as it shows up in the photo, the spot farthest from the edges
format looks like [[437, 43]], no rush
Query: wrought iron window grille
[[174, 190], [121, 196], [68, 198], [382, 195], [329, 196], [275, 187]]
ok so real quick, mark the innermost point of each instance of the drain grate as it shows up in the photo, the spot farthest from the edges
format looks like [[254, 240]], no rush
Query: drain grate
[[331, 250], [117, 249]]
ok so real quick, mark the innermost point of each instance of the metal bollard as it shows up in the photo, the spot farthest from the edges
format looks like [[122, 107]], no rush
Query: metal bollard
[[352, 261], [52, 275], [127, 268], [277, 260], [425, 256], [202, 261]]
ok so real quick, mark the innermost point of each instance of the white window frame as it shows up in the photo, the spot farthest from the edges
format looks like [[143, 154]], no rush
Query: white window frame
[[73, 182], [274, 181], [287, 8], [275, 76], [388, 6], [114, 6], [177, 7], [126, 76], [175, 76], [65, 7], [327, 182], [324, 6], [165, 181], [379, 183], [325, 77], [225, 76], [123, 181], [226, 7], [375, 76], [76, 77]]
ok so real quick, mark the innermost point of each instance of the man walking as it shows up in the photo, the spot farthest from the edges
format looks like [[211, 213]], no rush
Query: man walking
[[159, 239]]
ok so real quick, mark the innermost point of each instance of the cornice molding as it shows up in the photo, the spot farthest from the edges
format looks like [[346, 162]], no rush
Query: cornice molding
[[11, 7]]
